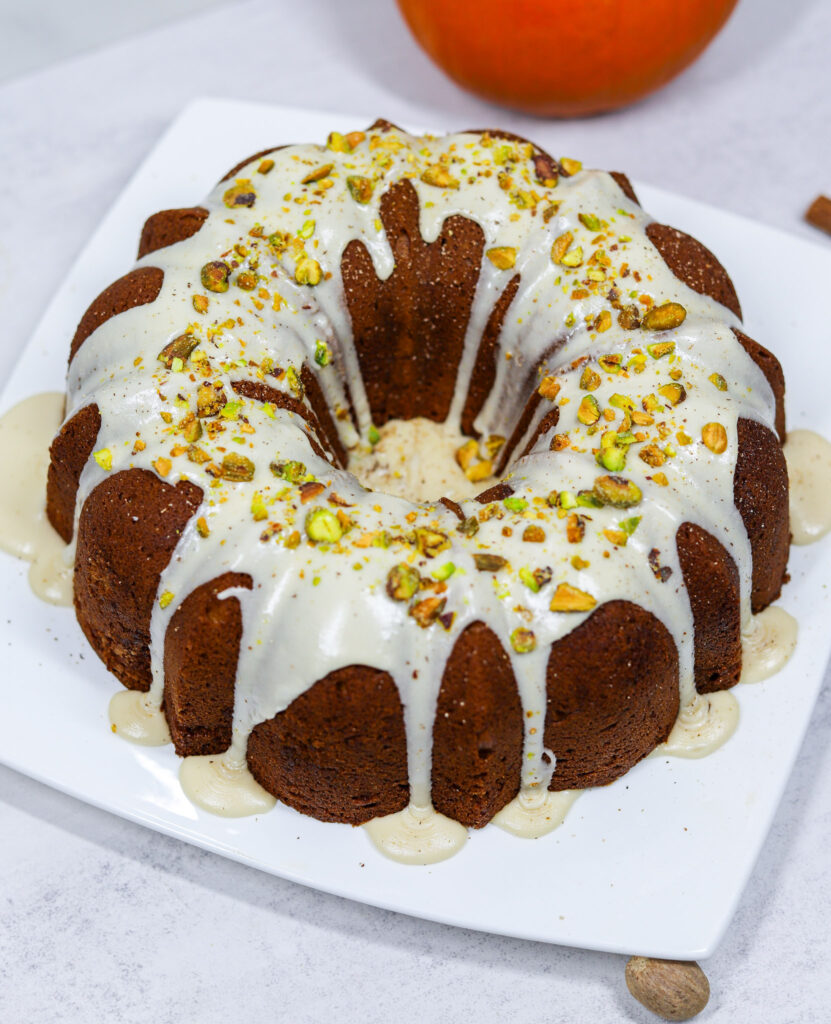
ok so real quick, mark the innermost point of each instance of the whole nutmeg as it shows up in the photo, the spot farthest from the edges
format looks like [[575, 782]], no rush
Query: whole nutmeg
[[673, 989]]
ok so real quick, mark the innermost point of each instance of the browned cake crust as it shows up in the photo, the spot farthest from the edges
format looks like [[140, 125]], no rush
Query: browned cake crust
[[201, 651], [127, 531], [612, 695], [409, 330], [167, 227], [339, 751], [477, 735]]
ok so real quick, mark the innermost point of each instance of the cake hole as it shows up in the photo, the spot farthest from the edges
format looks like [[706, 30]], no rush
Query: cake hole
[[417, 459]]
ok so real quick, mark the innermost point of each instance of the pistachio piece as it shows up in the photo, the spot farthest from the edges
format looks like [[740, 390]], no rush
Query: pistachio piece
[[237, 467], [479, 471], [570, 599], [210, 400], [546, 170], [317, 174], [259, 511], [468, 527], [652, 455], [573, 258], [265, 166], [603, 321], [629, 318], [489, 563], [514, 504], [575, 528], [588, 411], [661, 572], [533, 534], [323, 354], [718, 381], [165, 599], [431, 542], [439, 176], [402, 582], [323, 526], [523, 640], [202, 527], [590, 221], [664, 317], [180, 348], [589, 380], [570, 167], [241, 193], [661, 349], [561, 246], [200, 303], [443, 572], [714, 437], [587, 499], [310, 490], [192, 429], [612, 458], [616, 537], [549, 388], [308, 271], [559, 442], [467, 453], [360, 188], [503, 257], [215, 276], [104, 458], [427, 611], [674, 393], [292, 471], [247, 280], [610, 363], [617, 491]]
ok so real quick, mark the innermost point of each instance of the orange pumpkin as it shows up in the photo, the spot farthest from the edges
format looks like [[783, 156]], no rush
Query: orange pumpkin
[[564, 57]]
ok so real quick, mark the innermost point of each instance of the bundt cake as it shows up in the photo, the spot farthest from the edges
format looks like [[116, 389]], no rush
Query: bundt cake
[[619, 507]]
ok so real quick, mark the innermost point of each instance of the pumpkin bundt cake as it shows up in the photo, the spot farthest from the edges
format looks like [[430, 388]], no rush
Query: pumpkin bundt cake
[[570, 488]]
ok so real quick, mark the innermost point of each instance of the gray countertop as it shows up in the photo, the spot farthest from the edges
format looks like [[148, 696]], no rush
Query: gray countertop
[[103, 920]]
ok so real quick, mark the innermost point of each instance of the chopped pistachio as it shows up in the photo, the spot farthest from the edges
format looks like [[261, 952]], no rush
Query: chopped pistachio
[[307, 229], [573, 258], [549, 388], [575, 528], [514, 504], [237, 468], [202, 527], [661, 349], [431, 542], [664, 317], [714, 437], [629, 318], [439, 177], [603, 321], [322, 526], [360, 188], [215, 276], [673, 393], [373, 435], [629, 525], [479, 471], [569, 166], [533, 534], [162, 465], [308, 271], [529, 579], [562, 499], [468, 527], [265, 166], [561, 246], [589, 380], [523, 640], [489, 563], [104, 458], [165, 599], [402, 582], [247, 280], [310, 490], [610, 363], [427, 611], [652, 455], [200, 303], [503, 257], [588, 411], [443, 572], [241, 193], [467, 453], [323, 355], [587, 499], [292, 471], [612, 458], [317, 174], [591, 221], [617, 491], [570, 599], [718, 381], [210, 400], [258, 507]]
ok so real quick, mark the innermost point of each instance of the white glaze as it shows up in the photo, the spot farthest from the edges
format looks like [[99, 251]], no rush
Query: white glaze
[[337, 591], [809, 478], [223, 786], [768, 641], [138, 720], [703, 725], [417, 835], [26, 431], [535, 812]]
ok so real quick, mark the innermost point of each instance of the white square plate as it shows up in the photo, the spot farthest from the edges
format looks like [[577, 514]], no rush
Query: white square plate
[[653, 864]]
